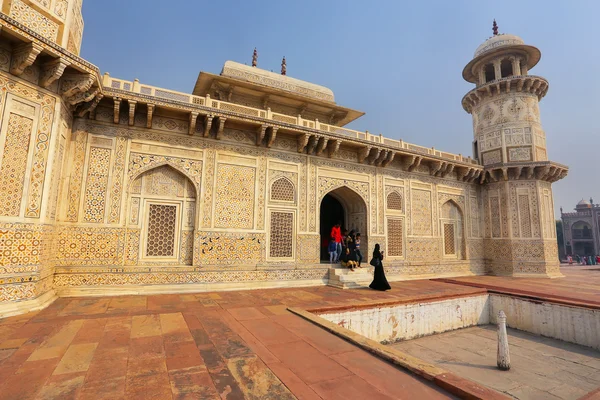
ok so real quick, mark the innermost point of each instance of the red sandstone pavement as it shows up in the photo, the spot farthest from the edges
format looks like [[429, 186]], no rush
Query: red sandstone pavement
[[580, 285], [228, 345]]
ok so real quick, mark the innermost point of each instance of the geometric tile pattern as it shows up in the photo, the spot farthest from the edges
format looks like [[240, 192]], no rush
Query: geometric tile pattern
[[116, 190], [96, 184], [525, 216], [395, 245], [449, 240], [162, 222], [421, 213], [40, 159], [218, 248], [394, 201], [76, 175], [234, 207], [14, 164], [23, 247], [33, 20], [186, 254], [89, 245], [164, 181], [281, 234], [283, 190], [422, 248], [495, 221]]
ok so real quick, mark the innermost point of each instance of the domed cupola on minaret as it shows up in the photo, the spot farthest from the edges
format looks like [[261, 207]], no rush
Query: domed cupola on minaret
[[504, 104], [520, 234]]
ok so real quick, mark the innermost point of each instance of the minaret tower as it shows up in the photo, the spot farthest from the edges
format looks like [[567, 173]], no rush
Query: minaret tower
[[520, 233]]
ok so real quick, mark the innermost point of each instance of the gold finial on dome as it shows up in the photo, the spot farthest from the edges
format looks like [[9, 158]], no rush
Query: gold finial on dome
[[283, 66], [495, 28], [254, 58]]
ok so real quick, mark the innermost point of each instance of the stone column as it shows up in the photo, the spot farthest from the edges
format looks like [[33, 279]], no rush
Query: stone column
[[503, 353], [497, 70], [516, 66], [524, 69]]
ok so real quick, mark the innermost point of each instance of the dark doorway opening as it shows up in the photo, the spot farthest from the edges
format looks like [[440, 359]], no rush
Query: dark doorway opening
[[584, 249], [332, 212]]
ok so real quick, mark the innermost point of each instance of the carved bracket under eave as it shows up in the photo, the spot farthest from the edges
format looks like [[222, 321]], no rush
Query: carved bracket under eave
[[260, 134], [116, 109], [312, 144], [449, 169], [82, 97], [322, 145], [23, 56], [220, 128], [71, 84], [132, 104], [363, 153], [388, 159], [207, 125], [375, 152], [51, 71], [272, 135], [410, 163], [434, 167], [382, 156], [89, 107], [302, 141], [149, 115], [334, 146], [192, 124]]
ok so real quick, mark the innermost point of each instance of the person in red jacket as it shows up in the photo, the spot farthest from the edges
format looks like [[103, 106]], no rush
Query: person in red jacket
[[336, 234]]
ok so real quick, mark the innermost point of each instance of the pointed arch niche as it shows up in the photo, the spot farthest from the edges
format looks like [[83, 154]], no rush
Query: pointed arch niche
[[344, 205], [452, 228], [162, 205]]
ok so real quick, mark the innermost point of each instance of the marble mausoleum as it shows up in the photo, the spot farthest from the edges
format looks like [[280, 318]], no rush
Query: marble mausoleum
[[110, 186]]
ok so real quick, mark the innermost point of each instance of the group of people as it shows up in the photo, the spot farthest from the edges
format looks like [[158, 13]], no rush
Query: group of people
[[344, 247], [585, 260]]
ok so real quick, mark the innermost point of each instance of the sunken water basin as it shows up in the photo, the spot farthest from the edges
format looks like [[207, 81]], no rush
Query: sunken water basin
[[389, 323], [554, 347]]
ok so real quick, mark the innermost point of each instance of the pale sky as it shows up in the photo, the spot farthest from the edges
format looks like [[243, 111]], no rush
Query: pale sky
[[400, 62]]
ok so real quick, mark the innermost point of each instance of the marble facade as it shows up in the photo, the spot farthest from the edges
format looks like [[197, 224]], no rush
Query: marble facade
[[110, 186]]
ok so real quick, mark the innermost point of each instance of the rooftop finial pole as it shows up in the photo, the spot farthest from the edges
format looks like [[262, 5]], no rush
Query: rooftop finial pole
[[495, 28], [283, 67], [254, 58]]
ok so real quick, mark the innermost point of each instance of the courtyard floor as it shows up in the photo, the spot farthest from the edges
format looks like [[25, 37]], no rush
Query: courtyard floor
[[233, 345], [541, 368]]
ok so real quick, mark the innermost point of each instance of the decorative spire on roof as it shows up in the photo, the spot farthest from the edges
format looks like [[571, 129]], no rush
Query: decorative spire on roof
[[254, 58], [495, 28], [283, 67]]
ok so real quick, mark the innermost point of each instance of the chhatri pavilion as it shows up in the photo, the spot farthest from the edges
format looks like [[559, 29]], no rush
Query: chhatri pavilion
[[109, 186]]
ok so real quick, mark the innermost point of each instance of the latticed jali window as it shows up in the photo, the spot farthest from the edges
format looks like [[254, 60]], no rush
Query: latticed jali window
[[394, 237], [162, 224], [282, 190], [449, 240], [394, 201], [281, 237], [524, 215]]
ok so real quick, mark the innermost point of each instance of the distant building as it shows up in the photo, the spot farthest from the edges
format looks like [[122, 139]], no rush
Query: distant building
[[581, 229]]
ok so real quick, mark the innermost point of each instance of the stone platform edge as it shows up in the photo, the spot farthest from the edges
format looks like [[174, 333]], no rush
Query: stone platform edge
[[446, 380], [525, 294], [393, 303]]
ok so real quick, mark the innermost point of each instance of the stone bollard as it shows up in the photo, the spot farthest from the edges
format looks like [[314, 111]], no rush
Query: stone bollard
[[503, 354]]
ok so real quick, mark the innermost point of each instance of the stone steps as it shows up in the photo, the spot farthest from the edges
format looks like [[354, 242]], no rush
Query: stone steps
[[343, 278]]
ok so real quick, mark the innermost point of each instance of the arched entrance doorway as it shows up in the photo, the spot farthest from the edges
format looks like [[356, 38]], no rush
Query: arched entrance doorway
[[347, 207]]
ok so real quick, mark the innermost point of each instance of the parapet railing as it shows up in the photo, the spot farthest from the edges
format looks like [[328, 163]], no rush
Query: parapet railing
[[136, 87]]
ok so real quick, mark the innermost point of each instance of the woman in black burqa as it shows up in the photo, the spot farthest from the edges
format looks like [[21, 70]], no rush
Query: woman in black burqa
[[379, 281]]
